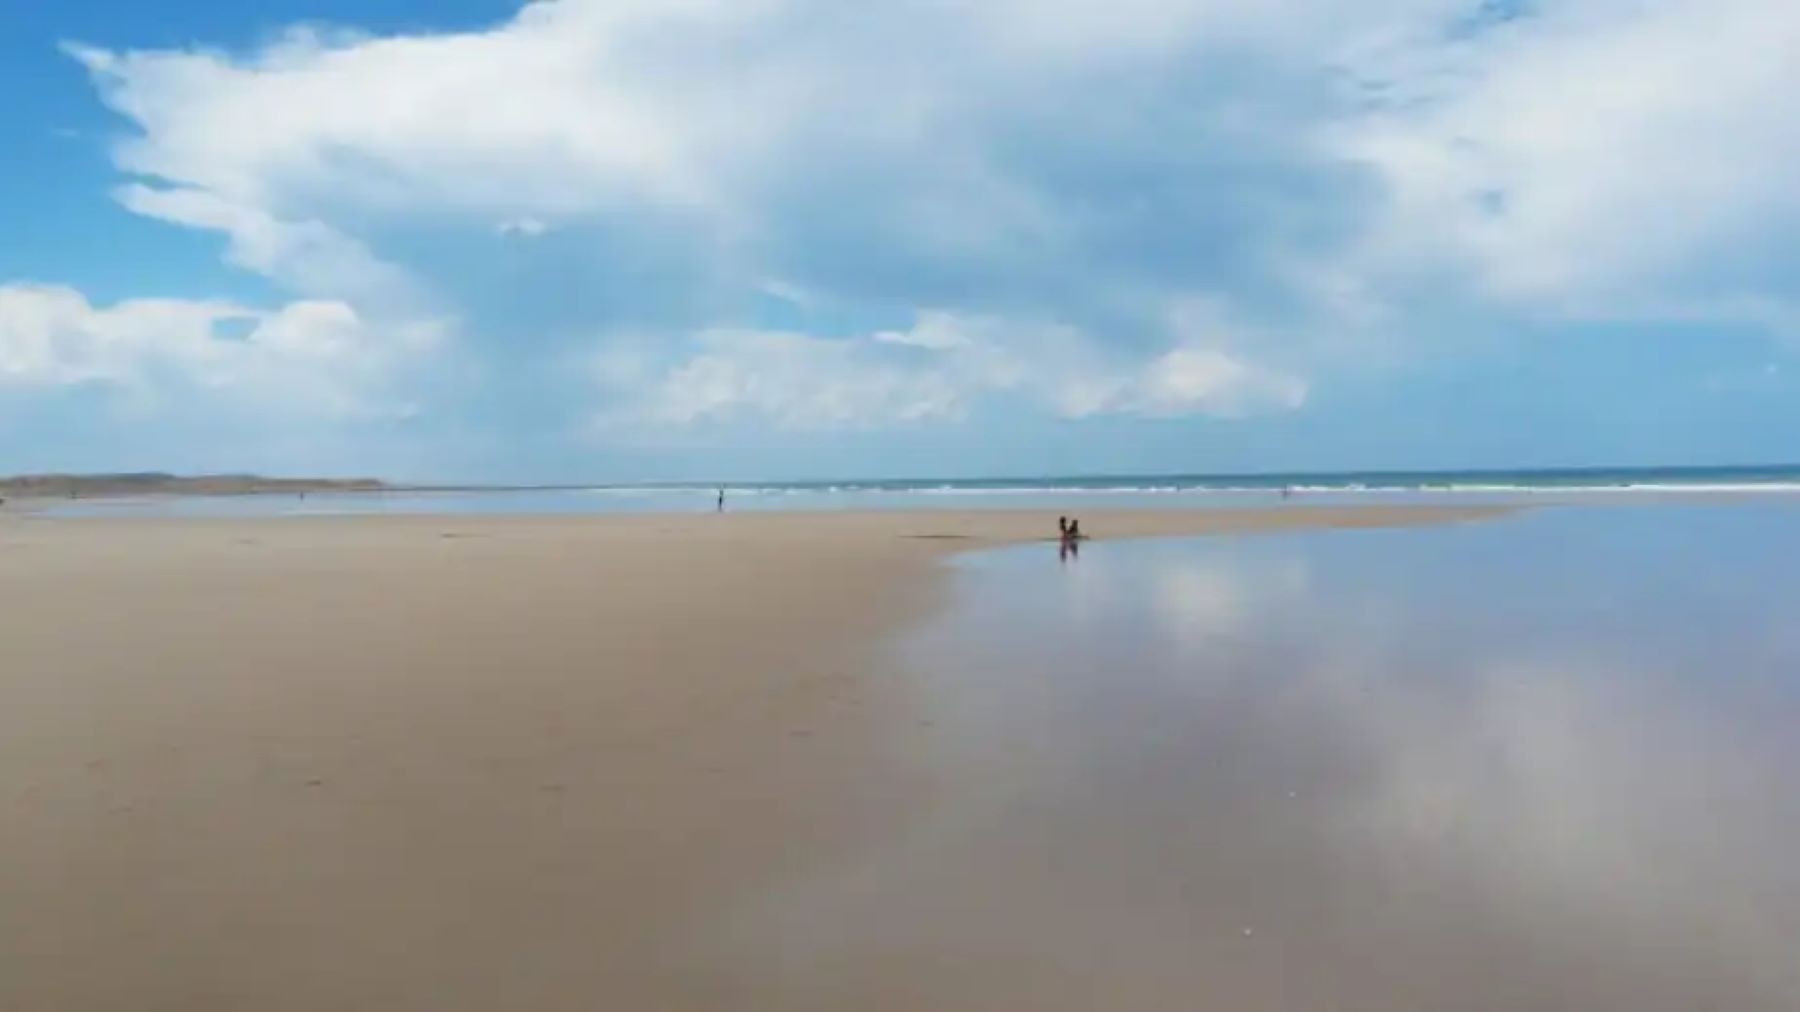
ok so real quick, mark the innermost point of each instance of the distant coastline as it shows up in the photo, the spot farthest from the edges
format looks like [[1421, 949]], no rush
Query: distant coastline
[[1595, 481], [30, 486]]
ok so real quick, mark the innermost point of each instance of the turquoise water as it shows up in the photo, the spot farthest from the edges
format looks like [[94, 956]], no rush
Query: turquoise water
[[1048, 492], [1548, 762]]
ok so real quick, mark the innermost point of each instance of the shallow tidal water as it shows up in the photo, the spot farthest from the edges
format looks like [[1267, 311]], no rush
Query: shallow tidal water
[[1545, 762]]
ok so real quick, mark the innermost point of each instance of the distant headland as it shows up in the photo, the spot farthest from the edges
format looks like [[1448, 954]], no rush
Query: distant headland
[[26, 486]]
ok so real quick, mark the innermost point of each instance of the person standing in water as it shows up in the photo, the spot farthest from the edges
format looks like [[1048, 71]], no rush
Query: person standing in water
[[721, 507]]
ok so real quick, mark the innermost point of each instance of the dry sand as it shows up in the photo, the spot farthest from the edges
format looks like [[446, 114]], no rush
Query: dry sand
[[453, 763]]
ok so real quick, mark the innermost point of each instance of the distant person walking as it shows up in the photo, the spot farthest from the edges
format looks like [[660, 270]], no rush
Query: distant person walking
[[721, 507]]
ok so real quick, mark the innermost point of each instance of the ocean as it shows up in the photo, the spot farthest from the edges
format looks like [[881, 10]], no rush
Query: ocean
[[1047, 492]]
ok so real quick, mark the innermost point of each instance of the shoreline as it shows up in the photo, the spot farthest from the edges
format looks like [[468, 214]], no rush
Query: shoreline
[[456, 763], [574, 503], [1005, 525]]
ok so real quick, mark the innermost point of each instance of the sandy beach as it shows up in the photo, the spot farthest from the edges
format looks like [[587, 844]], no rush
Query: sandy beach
[[453, 763]]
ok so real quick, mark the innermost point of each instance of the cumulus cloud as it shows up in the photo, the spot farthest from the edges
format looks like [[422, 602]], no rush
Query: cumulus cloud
[[1587, 151], [795, 381], [527, 227], [1207, 381], [786, 137], [1036, 196], [313, 358], [936, 371], [309, 256]]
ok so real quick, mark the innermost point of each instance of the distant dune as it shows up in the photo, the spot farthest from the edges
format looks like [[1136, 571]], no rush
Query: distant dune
[[155, 483]]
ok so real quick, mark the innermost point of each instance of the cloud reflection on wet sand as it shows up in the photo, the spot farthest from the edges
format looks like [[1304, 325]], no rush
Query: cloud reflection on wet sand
[[1480, 768]]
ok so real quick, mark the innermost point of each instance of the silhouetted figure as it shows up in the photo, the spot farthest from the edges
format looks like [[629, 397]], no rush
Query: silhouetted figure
[[1062, 528], [1071, 538], [721, 507]]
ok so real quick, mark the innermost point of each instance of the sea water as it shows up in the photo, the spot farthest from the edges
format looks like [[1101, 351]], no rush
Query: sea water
[[1041, 492]]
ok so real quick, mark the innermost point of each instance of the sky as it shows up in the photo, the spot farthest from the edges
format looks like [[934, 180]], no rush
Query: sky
[[574, 240]]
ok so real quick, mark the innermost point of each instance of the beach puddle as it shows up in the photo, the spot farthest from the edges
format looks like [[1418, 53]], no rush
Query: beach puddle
[[1544, 762]]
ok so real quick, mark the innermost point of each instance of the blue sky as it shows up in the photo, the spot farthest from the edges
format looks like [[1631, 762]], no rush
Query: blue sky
[[615, 239]]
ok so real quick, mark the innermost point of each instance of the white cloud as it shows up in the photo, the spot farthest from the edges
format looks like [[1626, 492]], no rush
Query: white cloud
[[1086, 165], [541, 114], [1208, 381], [1179, 383], [933, 332], [1591, 149], [796, 382], [933, 372], [309, 256], [313, 358], [527, 227], [583, 107], [723, 115], [1202, 374]]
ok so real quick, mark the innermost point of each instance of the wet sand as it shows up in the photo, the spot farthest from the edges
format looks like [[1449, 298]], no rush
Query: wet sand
[[1547, 763], [456, 763]]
